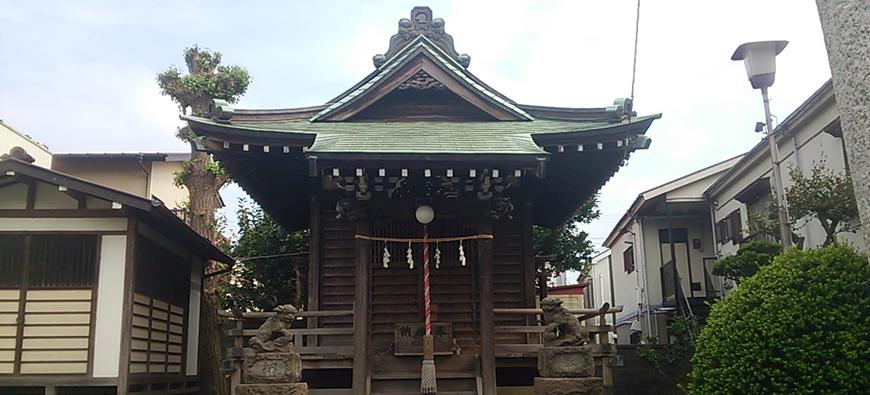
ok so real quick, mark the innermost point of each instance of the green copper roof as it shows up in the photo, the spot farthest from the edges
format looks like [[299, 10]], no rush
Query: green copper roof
[[421, 137], [438, 54]]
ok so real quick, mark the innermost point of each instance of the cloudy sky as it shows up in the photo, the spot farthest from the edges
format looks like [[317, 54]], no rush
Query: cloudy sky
[[80, 76]]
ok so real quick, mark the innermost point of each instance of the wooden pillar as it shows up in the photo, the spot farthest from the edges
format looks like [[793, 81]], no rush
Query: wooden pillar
[[606, 369], [127, 309], [529, 266], [361, 313], [487, 320], [313, 261]]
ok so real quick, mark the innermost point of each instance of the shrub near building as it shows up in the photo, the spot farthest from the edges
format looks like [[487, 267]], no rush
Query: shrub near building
[[800, 325]]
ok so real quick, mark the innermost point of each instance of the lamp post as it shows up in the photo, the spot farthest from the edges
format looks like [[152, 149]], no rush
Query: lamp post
[[760, 61]]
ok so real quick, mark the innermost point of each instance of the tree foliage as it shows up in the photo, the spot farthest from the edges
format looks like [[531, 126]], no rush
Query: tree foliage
[[570, 247], [751, 257], [800, 325], [824, 195], [206, 79], [273, 263]]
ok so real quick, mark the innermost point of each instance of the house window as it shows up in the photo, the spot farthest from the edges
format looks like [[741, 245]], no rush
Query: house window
[[681, 235], [11, 260], [67, 261], [628, 259], [730, 228], [53, 261]]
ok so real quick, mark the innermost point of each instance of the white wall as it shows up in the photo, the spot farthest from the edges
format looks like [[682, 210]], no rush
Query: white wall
[[163, 184], [110, 297], [62, 224], [11, 138], [124, 175]]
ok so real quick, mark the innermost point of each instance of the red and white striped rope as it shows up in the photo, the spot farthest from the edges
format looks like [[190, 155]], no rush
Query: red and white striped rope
[[426, 298]]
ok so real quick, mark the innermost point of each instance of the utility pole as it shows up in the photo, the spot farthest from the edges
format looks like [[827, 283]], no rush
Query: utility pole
[[846, 27], [776, 173]]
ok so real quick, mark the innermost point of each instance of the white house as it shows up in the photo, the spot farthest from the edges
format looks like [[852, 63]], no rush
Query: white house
[[637, 271], [810, 134], [704, 216]]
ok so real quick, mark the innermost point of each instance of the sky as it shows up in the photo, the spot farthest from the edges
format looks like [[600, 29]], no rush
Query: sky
[[80, 76]]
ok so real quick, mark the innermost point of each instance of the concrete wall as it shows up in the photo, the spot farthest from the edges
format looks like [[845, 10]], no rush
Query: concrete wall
[[9, 138], [146, 179], [124, 175], [163, 184]]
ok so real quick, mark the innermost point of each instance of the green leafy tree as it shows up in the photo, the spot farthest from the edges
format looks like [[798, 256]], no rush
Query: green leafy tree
[[206, 79], [569, 246], [823, 195], [272, 263], [751, 257], [801, 325]]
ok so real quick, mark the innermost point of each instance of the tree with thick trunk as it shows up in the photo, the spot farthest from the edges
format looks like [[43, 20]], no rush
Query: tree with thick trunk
[[205, 81], [846, 26]]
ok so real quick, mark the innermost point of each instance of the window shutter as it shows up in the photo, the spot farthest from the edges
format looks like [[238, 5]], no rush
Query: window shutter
[[736, 225], [718, 230]]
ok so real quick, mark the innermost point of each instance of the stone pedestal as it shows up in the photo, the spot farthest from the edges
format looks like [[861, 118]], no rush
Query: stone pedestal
[[272, 367], [566, 362], [567, 371], [272, 389], [275, 373], [568, 385]]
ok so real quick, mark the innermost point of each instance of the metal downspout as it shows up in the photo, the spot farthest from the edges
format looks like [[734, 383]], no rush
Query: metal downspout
[[715, 244], [642, 261]]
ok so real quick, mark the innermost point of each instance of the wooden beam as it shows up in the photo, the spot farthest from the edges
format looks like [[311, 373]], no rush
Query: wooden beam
[[361, 312], [127, 313], [487, 320]]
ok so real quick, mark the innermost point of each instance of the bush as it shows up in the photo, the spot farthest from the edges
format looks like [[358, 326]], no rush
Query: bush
[[800, 325], [749, 258]]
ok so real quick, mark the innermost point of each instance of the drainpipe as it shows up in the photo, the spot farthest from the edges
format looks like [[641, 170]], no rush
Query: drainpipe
[[676, 278], [713, 205], [147, 176], [612, 293], [642, 263]]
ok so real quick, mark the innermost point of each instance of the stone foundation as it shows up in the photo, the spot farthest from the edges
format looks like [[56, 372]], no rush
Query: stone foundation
[[568, 385], [272, 389]]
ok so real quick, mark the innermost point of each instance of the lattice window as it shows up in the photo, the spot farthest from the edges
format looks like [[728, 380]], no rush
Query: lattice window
[[158, 330]]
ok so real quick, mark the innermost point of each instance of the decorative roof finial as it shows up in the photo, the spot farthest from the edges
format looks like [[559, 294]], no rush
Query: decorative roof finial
[[421, 23]]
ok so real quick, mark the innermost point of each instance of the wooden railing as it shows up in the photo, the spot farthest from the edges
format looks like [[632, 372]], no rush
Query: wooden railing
[[602, 348], [305, 340]]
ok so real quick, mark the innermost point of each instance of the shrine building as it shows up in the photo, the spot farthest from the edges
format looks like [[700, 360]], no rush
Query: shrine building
[[421, 131]]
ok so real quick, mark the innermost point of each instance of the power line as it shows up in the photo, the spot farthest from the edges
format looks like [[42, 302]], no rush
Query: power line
[[634, 61]]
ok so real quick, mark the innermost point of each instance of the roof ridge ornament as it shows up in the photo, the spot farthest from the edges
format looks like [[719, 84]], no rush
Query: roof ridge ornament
[[421, 23]]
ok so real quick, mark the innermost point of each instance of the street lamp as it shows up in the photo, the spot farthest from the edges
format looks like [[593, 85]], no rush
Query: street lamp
[[760, 61]]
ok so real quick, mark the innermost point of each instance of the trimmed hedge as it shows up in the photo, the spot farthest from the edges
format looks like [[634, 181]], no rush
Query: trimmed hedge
[[800, 325]]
